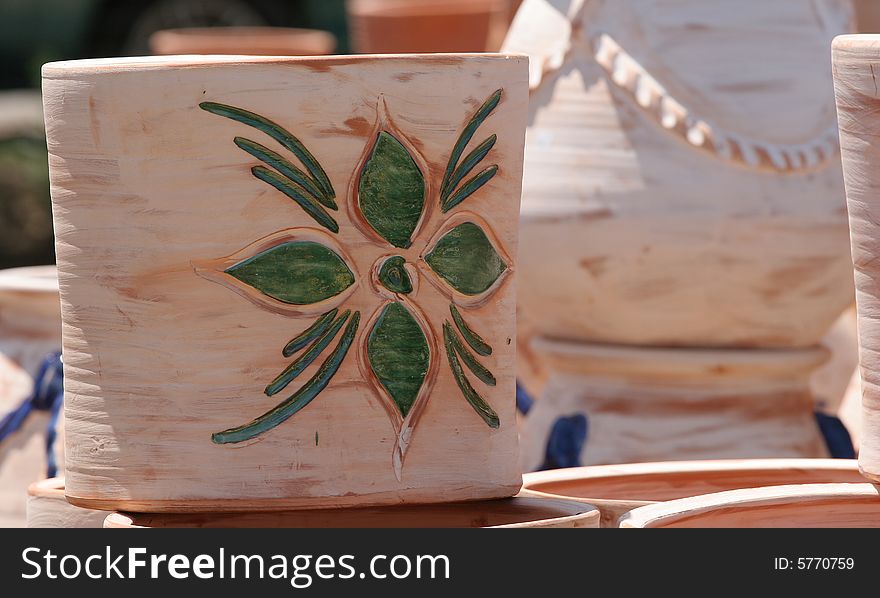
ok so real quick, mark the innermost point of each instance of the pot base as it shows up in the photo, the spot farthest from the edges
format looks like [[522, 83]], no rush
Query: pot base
[[646, 404], [472, 492]]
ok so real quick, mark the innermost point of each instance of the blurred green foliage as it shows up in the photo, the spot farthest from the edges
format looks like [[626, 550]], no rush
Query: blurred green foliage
[[36, 31], [25, 211]]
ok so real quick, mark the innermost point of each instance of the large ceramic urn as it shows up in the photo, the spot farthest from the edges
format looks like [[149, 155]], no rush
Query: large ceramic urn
[[684, 241]]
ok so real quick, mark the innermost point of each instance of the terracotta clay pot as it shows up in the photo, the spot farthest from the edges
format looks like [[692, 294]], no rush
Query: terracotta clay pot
[[47, 507], [266, 41], [867, 16], [517, 512], [301, 268], [801, 506], [669, 203], [854, 60], [395, 26], [618, 489], [30, 328]]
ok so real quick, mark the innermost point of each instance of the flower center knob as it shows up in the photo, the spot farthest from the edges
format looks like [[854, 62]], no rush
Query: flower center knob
[[394, 277]]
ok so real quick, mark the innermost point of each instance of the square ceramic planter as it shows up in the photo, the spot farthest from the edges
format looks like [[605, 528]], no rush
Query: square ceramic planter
[[287, 282]]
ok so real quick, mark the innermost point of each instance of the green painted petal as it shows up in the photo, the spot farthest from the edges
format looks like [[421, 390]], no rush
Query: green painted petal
[[279, 134], [391, 191], [394, 276], [296, 272], [399, 355], [465, 259]]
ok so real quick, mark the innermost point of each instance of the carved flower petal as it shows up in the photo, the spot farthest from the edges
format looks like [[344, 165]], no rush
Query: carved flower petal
[[399, 355], [389, 185], [394, 277], [297, 271], [391, 191], [465, 258]]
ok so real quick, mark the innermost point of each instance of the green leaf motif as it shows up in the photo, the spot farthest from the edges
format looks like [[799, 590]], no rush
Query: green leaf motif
[[470, 187], [456, 171], [296, 193], [465, 259], [476, 368], [279, 134], [298, 400], [473, 339], [296, 272], [399, 355], [394, 276], [287, 168], [479, 404], [304, 338], [391, 191], [299, 365]]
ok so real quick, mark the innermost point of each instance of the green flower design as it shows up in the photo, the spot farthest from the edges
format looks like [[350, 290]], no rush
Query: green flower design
[[305, 271]]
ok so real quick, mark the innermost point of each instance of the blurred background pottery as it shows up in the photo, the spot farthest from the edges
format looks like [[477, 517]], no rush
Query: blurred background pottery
[[676, 203], [644, 404], [267, 41], [30, 329], [393, 26], [867, 16], [47, 507]]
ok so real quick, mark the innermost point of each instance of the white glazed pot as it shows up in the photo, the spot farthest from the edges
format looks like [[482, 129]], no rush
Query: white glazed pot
[[682, 178]]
